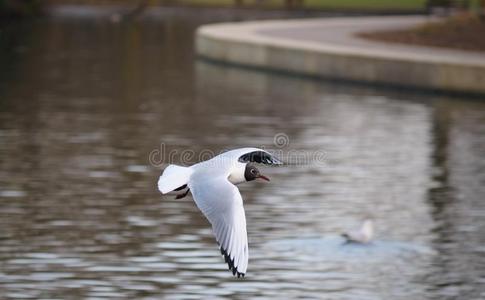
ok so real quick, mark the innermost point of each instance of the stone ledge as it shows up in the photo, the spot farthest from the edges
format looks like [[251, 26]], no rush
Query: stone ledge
[[329, 48]]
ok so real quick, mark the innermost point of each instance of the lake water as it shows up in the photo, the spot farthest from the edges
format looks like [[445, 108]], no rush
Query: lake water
[[89, 110]]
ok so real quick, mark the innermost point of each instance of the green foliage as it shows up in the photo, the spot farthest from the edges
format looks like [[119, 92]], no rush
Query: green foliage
[[367, 4]]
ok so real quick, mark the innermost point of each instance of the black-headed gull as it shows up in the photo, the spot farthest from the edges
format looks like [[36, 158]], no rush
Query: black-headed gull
[[213, 186], [363, 235]]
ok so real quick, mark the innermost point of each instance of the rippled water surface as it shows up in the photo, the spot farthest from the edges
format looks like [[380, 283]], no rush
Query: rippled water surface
[[83, 103]]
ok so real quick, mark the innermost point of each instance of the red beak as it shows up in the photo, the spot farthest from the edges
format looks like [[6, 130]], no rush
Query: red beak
[[264, 177]]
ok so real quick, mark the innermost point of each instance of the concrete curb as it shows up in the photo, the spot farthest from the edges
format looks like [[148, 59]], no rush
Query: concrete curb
[[329, 48]]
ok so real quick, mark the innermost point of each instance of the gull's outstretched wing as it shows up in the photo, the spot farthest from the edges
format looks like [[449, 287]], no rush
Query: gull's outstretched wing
[[222, 204]]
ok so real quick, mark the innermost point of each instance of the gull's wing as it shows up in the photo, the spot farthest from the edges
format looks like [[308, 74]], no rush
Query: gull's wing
[[222, 204], [362, 235]]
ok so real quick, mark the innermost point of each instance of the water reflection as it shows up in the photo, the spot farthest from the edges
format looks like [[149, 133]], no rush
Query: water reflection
[[80, 216]]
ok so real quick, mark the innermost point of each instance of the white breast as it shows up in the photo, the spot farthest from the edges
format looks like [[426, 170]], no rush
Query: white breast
[[237, 173]]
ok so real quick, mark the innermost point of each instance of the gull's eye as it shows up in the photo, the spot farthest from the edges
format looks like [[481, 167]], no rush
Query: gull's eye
[[253, 171]]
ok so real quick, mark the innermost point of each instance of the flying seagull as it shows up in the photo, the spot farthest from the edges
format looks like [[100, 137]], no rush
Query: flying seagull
[[213, 186], [363, 235]]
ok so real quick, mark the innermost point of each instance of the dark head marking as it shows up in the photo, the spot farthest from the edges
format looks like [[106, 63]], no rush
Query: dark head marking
[[251, 173]]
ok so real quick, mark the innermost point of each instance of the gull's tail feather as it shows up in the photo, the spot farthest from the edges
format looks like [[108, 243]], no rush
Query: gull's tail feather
[[173, 177]]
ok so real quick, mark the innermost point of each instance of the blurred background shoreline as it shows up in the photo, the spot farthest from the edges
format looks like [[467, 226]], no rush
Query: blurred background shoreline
[[35, 7]]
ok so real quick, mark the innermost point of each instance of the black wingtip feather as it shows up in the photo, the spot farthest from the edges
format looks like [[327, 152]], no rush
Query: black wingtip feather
[[230, 264], [260, 157]]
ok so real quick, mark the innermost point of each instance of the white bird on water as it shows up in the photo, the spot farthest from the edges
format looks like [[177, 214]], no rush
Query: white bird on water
[[363, 235], [213, 186]]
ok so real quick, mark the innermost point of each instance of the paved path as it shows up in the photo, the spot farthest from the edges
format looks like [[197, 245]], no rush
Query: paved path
[[330, 48]]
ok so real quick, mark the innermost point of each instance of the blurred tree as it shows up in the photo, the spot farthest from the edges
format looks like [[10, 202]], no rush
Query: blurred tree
[[481, 9], [19, 7]]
